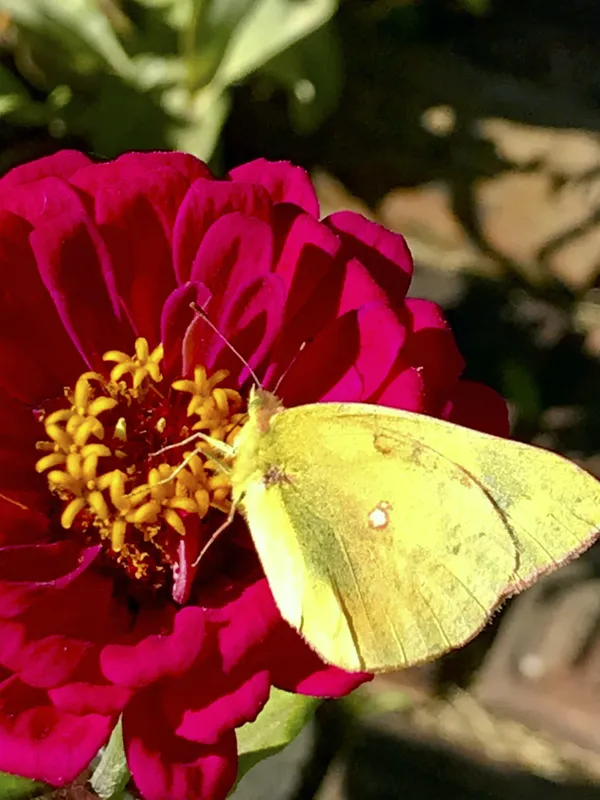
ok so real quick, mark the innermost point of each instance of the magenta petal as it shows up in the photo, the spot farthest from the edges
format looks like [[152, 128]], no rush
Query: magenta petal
[[39, 742], [323, 364], [432, 348], [380, 338], [29, 572], [244, 623], [30, 367], [126, 200], [76, 270], [23, 492], [249, 322], [227, 709], [406, 390], [176, 318], [44, 201], [185, 567], [167, 767], [479, 407], [256, 317], [43, 663], [62, 165], [337, 287], [188, 165], [284, 182], [86, 698], [235, 249], [21, 526], [154, 657], [204, 204], [296, 668], [349, 360], [359, 288], [306, 255], [384, 254]]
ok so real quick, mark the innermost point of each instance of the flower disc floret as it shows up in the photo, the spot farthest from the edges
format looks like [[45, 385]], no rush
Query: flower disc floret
[[106, 458]]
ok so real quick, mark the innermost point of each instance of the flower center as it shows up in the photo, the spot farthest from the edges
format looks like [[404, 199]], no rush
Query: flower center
[[106, 461]]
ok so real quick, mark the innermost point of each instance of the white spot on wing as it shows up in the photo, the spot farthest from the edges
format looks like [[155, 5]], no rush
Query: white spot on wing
[[379, 517]]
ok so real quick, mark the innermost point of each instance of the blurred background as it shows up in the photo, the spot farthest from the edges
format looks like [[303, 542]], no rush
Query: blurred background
[[472, 127]]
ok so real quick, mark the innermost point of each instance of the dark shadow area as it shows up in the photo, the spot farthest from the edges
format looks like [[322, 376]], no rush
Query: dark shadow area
[[381, 766]]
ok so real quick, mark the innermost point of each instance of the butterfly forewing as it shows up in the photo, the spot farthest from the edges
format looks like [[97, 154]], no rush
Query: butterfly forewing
[[381, 551]]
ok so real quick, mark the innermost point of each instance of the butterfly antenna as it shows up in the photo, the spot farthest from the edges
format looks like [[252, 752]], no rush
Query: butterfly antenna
[[288, 368], [202, 313]]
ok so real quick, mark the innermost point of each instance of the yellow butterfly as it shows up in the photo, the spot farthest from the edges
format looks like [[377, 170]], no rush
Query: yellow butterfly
[[389, 537]]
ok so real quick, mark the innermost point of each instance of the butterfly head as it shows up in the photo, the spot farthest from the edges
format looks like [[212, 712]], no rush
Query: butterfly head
[[262, 406]]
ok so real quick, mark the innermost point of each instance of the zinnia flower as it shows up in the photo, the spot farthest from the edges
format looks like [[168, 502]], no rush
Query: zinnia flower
[[102, 365]]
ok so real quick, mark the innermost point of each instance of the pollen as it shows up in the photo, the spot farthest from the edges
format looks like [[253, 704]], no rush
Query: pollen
[[111, 460]]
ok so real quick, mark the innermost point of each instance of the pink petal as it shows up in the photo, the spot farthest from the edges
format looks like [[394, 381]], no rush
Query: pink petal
[[359, 288], [20, 525], [168, 767], [284, 182], [176, 318], [243, 621], [384, 254], [52, 642], [43, 201], [189, 166], [76, 270], [30, 573], [171, 652], [87, 698], [405, 390], [23, 493], [185, 568], [304, 256], [349, 360], [32, 367], [44, 663], [62, 165], [432, 348], [249, 321], [38, 741], [343, 287], [128, 199], [245, 309], [295, 667], [234, 250], [229, 704], [205, 202], [479, 407]]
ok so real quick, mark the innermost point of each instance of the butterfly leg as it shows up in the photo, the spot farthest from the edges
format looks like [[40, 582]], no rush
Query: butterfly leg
[[219, 530], [224, 448]]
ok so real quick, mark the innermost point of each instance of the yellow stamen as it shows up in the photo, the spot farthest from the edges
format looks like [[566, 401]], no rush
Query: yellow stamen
[[137, 509]]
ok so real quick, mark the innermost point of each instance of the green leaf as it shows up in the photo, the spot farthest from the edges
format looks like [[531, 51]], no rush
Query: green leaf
[[311, 70], [477, 7], [371, 701], [200, 120], [14, 788], [211, 30], [111, 775], [79, 22], [268, 29], [280, 721]]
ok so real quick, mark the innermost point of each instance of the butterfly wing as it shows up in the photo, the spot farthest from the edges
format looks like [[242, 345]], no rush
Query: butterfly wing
[[389, 537]]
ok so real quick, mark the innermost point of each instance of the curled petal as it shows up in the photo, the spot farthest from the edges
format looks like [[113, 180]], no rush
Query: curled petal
[[169, 653], [284, 182], [38, 741], [168, 767]]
